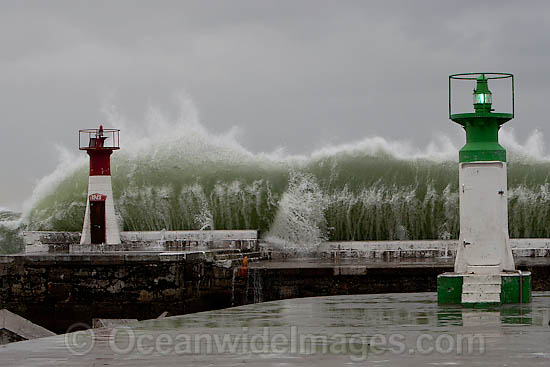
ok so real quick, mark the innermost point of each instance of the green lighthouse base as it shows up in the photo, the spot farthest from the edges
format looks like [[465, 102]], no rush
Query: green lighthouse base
[[478, 291]]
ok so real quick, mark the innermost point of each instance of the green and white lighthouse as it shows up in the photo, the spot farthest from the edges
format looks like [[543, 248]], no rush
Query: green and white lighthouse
[[484, 271]]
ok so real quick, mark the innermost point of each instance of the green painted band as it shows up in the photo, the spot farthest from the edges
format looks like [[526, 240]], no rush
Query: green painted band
[[467, 155], [482, 136], [500, 117], [449, 290]]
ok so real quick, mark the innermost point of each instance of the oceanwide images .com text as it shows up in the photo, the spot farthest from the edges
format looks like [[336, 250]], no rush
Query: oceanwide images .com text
[[273, 341]]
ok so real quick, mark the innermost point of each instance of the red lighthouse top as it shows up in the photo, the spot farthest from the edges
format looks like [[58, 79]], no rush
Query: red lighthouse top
[[99, 144], [98, 139]]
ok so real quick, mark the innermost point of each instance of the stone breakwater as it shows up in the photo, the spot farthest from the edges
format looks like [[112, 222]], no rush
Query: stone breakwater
[[56, 291]]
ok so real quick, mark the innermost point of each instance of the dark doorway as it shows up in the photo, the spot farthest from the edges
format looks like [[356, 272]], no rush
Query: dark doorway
[[97, 221]]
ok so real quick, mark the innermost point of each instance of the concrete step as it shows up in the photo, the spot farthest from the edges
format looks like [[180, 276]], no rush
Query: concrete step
[[480, 288], [481, 297], [482, 279], [484, 269], [477, 288]]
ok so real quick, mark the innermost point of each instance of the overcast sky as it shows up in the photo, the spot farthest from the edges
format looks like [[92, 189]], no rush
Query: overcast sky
[[296, 74]]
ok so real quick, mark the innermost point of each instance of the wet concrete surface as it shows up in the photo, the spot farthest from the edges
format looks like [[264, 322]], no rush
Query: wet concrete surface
[[374, 330]]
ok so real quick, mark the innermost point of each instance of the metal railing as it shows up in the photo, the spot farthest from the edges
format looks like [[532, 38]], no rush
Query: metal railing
[[98, 139], [473, 76]]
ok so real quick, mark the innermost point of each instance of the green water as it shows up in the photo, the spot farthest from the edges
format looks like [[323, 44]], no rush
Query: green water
[[359, 197]]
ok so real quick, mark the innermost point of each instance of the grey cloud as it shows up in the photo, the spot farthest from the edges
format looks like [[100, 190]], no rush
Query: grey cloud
[[297, 74]]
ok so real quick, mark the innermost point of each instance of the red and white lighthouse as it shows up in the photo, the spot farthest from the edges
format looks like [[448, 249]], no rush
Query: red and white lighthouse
[[100, 224]]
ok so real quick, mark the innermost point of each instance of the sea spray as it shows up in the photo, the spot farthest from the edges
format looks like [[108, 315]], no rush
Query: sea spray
[[300, 222], [177, 175]]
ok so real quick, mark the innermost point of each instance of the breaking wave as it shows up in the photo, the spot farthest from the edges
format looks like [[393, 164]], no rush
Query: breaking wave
[[176, 175]]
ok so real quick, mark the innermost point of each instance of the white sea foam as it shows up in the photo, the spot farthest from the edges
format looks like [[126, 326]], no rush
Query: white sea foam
[[439, 150], [531, 150], [68, 162]]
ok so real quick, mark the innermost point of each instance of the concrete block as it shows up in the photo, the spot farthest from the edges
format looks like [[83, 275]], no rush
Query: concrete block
[[21, 326]]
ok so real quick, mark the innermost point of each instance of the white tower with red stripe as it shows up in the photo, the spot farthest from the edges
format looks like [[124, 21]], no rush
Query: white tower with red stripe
[[100, 224]]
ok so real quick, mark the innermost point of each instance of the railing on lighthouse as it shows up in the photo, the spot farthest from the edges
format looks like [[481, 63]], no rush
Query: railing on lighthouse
[[99, 139]]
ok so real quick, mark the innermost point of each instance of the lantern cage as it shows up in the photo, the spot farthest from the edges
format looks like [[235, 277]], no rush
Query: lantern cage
[[92, 139], [474, 77]]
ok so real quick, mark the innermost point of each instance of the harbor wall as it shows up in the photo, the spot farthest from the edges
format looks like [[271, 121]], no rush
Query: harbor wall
[[57, 291]]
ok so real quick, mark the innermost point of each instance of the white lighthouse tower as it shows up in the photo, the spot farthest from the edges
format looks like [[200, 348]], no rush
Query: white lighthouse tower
[[484, 271], [100, 224]]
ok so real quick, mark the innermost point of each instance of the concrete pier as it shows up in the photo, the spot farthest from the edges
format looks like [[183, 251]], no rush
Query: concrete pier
[[58, 282], [521, 247], [42, 241], [159, 241], [58, 290]]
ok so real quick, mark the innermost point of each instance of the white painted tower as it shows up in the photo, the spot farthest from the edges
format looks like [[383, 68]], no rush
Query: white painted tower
[[484, 271], [100, 224], [484, 245]]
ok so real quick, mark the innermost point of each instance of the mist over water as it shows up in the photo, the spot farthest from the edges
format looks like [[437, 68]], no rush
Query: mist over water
[[173, 174]]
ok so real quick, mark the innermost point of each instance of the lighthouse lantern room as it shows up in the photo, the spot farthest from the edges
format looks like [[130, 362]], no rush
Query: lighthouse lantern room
[[100, 224]]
